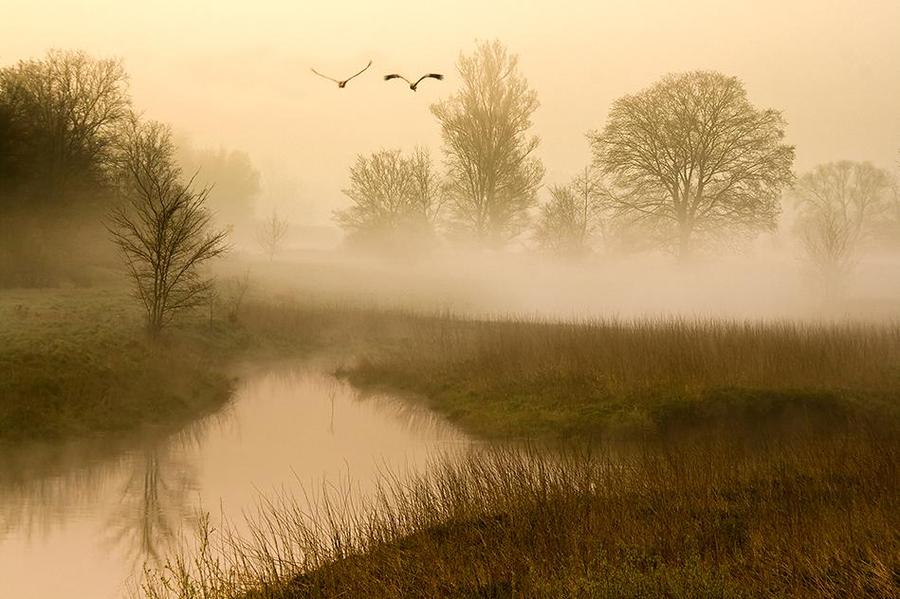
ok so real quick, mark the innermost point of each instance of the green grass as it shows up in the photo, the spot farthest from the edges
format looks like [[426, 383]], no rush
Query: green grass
[[75, 362]]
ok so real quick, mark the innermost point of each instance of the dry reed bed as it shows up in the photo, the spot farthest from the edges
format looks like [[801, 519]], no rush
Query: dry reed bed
[[587, 379], [809, 511], [809, 517], [664, 351]]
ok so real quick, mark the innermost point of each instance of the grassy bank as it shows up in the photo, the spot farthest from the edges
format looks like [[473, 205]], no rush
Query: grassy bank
[[75, 361], [747, 460], [767, 460], [520, 378], [809, 517], [78, 361]]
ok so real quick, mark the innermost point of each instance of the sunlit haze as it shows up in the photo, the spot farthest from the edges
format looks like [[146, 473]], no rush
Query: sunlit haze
[[418, 299], [236, 74]]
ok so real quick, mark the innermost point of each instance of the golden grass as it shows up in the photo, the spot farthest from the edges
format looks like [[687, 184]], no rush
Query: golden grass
[[762, 459], [810, 517], [533, 378]]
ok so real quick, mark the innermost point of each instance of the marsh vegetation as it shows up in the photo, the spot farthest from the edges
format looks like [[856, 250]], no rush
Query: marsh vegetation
[[645, 331], [811, 515]]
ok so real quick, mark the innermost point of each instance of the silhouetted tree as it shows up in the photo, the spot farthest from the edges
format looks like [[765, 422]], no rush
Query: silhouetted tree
[[271, 233], [163, 229], [10, 142], [60, 124], [396, 199], [70, 109], [690, 157], [889, 230], [428, 192], [573, 217], [840, 204], [493, 174]]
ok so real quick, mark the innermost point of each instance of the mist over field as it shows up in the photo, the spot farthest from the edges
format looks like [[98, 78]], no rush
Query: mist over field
[[464, 299], [232, 80]]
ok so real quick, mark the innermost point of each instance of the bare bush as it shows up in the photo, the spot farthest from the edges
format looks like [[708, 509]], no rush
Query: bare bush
[[570, 222], [271, 234], [841, 204], [396, 199], [163, 229], [233, 293]]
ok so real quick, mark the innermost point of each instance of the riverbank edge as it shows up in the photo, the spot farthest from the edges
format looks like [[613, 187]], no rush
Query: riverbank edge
[[76, 363]]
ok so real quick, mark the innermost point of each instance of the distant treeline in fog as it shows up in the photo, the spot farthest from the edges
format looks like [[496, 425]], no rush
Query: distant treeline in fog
[[687, 164], [65, 124]]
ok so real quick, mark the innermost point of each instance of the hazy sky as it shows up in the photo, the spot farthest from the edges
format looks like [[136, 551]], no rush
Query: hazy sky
[[237, 73]]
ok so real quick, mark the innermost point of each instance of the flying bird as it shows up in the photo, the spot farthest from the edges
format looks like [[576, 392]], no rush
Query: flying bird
[[341, 83], [412, 85]]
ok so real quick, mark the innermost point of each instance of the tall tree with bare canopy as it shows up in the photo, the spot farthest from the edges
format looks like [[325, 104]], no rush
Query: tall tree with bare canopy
[[396, 199], [840, 205], [692, 158], [163, 228], [569, 222], [493, 173], [60, 123]]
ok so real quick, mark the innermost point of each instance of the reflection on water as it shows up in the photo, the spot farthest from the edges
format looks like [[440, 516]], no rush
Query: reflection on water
[[93, 513], [153, 504]]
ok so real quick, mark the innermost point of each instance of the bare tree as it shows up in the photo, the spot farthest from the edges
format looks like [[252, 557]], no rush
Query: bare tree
[[889, 229], [233, 292], [73, 107], [840, 204], [573, 218], [493, 174], [60, 122], [271, 233], [427, 190], [396, 198], [163, 228], [692, 157]]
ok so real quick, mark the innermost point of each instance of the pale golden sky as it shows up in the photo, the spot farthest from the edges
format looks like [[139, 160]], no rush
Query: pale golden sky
[[237, 73]]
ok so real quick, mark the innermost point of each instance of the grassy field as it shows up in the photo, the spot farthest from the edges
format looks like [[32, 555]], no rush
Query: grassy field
[[698, 459], [679, 458], [78, 361], [810, 517], [520, 378]]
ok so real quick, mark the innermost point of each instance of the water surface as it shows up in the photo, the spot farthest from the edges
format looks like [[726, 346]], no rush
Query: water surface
[[78, 520]]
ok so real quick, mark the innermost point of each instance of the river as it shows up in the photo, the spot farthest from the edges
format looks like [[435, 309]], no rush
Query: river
[[81, 519]]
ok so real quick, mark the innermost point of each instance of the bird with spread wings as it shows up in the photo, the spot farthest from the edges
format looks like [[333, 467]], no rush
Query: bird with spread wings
[[341, 83], [412, 85]]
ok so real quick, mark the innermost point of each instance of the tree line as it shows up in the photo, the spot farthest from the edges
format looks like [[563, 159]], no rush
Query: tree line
[[78, 165], [687, 163], [681, 165], [66, 120]]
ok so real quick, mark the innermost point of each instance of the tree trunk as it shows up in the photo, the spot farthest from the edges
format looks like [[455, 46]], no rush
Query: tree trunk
[[684, 242]]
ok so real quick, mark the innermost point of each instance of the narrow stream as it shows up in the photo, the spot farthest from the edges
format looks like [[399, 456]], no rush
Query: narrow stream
[[80, 520]]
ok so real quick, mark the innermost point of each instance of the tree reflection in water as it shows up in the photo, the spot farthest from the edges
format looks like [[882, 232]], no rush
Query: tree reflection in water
[[157, 500]]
